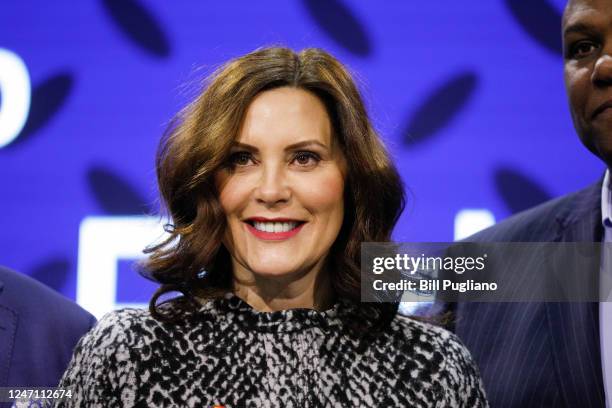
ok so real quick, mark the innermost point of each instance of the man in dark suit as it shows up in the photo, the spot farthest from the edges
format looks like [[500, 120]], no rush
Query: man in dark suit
[[552, 354], [39, 329]]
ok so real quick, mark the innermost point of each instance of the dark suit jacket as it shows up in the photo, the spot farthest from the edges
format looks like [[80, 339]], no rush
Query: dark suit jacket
[[540, 354], [38, 331]]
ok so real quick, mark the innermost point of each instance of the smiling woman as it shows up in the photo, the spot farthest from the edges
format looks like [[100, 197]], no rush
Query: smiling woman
[[274, 136], [273, 177], [282, 193]]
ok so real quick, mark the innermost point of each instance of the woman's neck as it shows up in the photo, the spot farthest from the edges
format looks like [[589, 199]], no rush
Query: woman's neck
[[310, 290]]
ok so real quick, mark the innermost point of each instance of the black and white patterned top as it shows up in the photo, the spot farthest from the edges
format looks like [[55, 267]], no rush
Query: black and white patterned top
[[229, 354]]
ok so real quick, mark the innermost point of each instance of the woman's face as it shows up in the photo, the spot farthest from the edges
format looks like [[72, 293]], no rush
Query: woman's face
[[282, 191]]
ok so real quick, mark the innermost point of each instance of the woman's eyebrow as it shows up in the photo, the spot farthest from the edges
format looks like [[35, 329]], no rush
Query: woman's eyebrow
[[244, 146], [293, 146], [306, 143]]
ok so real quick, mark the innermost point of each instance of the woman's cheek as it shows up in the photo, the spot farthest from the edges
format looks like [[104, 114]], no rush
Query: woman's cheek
[[233, 194], [327, 186]]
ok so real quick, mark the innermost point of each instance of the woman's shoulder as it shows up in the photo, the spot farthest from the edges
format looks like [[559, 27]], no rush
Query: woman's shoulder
[[118, 328], [137, 326], [443, 352], [125, 318], [124, 337], [107, 348], [430, 338], [418, 330]]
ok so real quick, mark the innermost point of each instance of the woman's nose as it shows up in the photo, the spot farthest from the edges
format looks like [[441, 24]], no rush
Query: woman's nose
[[272, 187]]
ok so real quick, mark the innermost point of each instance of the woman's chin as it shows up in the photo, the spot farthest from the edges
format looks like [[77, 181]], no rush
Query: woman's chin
[[277, 272], [274, 273]]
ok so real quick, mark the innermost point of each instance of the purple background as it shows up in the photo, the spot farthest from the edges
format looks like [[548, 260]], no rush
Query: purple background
[[468, 97]]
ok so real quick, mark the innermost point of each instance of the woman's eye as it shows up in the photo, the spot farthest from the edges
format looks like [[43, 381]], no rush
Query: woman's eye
[[582, 49], [306, 158], [239, 159]]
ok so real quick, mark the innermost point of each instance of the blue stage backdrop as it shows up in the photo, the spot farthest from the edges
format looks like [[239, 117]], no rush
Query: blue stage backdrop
[[468, 97]]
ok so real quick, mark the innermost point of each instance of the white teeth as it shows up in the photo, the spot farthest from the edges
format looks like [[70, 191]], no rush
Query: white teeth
[[275, 226]]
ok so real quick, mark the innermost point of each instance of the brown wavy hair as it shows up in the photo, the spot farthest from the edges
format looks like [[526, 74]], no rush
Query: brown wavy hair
[[198, 141]]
